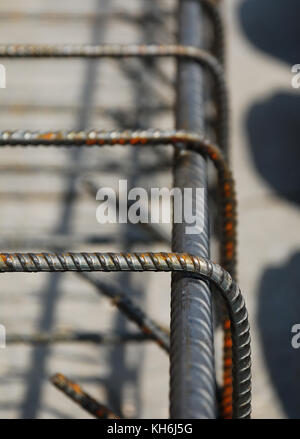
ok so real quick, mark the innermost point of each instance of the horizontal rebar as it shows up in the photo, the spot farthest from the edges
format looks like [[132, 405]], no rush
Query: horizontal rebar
[[76, 337], [75, 392], [179, 138], [75, 17], [110, 51], [165, 262], [101, 137], [134, 50]]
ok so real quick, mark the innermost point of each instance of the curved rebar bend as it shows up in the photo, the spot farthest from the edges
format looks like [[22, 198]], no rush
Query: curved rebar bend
[[166, 262], [178, 138], [134, 50], [195, 141]]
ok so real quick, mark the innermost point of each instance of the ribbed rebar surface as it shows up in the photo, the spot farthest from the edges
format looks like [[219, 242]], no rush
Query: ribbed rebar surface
[[192, 368], [188, 50], [139, 262], [193, 381]]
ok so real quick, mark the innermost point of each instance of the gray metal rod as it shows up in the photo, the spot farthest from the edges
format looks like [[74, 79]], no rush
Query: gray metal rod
[[192, 368]]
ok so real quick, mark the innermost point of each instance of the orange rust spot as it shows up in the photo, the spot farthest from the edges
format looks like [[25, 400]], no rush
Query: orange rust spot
[[227, 373], [227, 190], [229, 226], [91, 142], [227, 412], [76, 388], [186, 257], [227, 324], [227, 407], [229, 254], [162, 256], [4, 258], [47, 136], [227, 391], [228, 343], [228, 362], [227, 401], [227, 381], [228, 208]]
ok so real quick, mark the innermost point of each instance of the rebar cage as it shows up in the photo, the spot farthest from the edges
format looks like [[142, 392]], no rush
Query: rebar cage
[[190, 342]]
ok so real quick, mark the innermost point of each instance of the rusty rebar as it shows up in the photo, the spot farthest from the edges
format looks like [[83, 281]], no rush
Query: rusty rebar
[[228, 245], [159, 262], [192, 365], [133, 50], [76, 394], [179, 138]]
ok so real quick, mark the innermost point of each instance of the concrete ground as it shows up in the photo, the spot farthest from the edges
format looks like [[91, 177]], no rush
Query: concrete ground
[[47, 94]]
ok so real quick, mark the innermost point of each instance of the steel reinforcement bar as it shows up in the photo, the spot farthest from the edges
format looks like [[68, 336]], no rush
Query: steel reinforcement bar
[[142, 138], [76, 394], [165, 262], [195, 54], [192, 364]]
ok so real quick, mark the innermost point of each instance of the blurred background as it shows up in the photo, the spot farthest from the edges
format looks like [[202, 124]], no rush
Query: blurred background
[[47, 193]]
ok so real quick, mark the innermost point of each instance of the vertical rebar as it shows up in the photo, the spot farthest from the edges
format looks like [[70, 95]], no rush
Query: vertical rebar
[[192, 369]]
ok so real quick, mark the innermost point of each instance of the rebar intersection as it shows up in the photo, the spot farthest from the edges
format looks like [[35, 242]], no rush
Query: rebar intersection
[[185, 263]]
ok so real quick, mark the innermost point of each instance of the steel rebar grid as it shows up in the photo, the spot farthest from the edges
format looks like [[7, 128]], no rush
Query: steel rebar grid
[[192, 368], [20, 49], [200, 267], [184, 51], [194, 141], [143, 138]]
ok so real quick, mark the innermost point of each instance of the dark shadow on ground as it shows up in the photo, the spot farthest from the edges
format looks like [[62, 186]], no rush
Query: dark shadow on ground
[[273, 127], [279, 310], [273, 26]]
